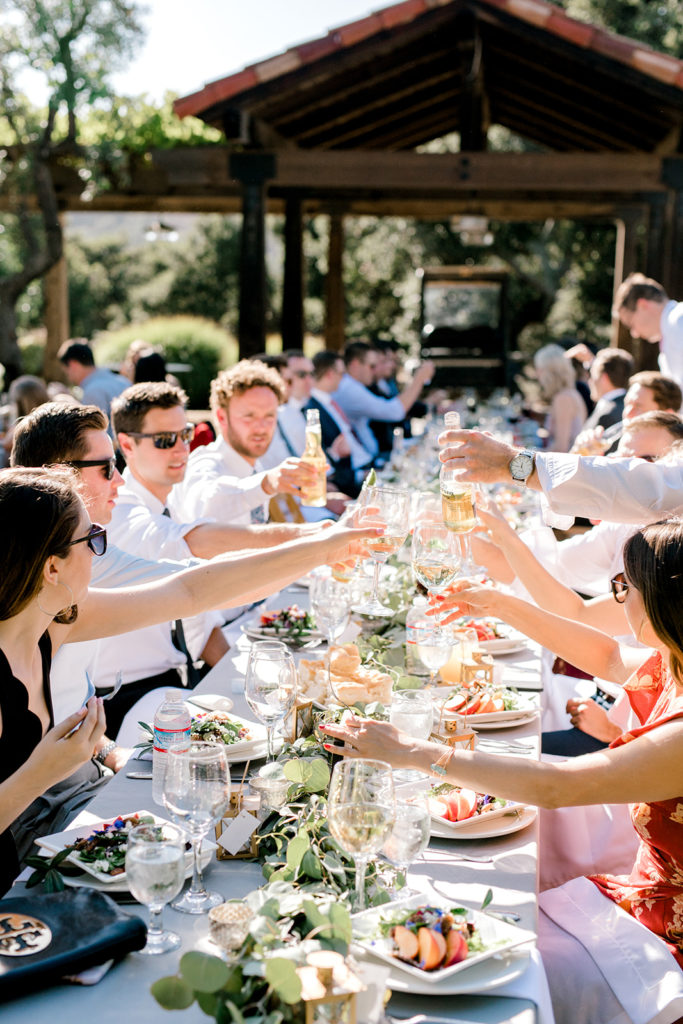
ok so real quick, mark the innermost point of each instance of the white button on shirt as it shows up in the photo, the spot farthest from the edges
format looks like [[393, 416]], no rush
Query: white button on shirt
[[221, 484]]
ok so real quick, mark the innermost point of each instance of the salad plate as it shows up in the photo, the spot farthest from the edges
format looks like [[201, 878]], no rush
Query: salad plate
[[512, 819], [92, 874], [504, 645], [518, 708], [219, 727], [490, 940], [292, 626], [506, 723], [444, 799]]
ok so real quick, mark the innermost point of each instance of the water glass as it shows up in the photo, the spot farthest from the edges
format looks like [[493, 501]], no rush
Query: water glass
[[155, 870], [270, 685]]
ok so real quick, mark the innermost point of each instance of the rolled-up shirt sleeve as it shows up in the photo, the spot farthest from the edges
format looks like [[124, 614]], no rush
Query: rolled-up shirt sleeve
[[621, 490]]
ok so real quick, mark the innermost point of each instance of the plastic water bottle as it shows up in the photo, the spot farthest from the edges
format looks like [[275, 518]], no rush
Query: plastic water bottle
[[417, 622], [171, 732]]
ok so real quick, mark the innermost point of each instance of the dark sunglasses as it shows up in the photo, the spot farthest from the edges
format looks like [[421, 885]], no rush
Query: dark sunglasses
[[619, 587], [109, 465], [302, 373], [95, 538], [167, 438]]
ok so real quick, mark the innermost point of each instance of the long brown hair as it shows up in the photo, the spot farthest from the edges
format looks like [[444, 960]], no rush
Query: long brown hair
[[39, 513], [653, 562]]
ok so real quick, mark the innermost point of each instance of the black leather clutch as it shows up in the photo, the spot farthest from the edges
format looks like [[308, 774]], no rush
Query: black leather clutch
[[45, 937]]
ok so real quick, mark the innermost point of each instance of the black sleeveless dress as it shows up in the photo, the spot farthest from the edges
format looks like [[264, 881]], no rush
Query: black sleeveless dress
[[22, 731]]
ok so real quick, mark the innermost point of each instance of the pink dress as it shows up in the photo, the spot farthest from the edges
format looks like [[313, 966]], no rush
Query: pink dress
[[653, 892]]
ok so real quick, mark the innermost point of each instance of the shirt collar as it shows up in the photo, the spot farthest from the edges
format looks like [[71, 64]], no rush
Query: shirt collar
[[141, 492], [234, 461]]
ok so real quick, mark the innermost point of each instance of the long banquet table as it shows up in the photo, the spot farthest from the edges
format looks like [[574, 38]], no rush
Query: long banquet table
[[511, 873]]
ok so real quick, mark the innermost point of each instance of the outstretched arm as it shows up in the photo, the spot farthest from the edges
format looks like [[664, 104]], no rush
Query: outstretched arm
[[648, 769], [580, 645], [215, 584]]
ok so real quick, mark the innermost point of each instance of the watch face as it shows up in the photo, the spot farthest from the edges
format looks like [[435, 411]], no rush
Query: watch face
[[521, 466]]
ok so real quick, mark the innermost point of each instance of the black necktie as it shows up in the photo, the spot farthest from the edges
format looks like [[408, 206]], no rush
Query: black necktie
[[189, 674]]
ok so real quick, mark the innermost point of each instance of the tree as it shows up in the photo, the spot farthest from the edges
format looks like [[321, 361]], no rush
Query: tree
[[74, 45]]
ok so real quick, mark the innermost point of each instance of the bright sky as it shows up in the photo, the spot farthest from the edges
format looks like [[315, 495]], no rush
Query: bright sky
[[189, 44]]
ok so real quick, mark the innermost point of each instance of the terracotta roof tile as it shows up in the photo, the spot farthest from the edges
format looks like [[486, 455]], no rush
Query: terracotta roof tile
[[537, 12], [577, 32]]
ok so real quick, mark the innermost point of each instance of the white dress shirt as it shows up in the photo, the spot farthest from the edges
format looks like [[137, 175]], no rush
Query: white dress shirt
[[138, 526], [361, 406], [671, 344], [586, 562], [221, 483], [621, 490], [360, 456]]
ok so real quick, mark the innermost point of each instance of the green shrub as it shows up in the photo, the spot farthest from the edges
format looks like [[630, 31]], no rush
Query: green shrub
[[202, 344]]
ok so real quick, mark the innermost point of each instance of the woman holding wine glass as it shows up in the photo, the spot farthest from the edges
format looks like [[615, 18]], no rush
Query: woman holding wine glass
[[270, 685], [197, 795]]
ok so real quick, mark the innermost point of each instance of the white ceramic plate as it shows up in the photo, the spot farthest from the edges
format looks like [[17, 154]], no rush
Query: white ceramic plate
[[455, 827], [253, 747], [209, 702], [99, 879], [483, 977], [503, 645], [523, 710], [312, 638], [483, 828], [508, 723], [498, 936]]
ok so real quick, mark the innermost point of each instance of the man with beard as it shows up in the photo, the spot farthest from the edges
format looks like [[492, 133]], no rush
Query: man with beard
[[226, 479]]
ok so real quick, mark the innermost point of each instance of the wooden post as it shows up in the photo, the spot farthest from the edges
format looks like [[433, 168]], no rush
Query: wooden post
[[335, 313], [627, 259], [292, 326], [253, 170], [474, 105]]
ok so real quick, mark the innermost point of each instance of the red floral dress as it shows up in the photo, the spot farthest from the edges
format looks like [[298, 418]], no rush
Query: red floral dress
[[653, 892]]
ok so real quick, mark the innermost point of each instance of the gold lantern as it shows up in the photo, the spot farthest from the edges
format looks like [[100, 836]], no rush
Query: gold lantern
[[328, 989]]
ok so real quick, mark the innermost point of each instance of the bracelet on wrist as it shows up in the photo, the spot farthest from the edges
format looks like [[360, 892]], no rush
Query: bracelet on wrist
[[440, 766], [106, 750]]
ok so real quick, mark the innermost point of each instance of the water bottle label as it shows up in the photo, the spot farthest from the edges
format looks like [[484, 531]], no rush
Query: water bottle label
[[167, 739]]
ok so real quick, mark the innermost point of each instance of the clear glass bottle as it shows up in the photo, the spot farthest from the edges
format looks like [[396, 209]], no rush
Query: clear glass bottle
[[315, 496], [171, 732], [417, 623]]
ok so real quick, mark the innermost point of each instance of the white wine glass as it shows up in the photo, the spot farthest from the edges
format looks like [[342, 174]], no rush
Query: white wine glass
[[436, 558], [270, 685], [388, 507], [411, 711], [155, 871], [458, 504], [409, 836], [330, 603], [360, 812], [197, 795]]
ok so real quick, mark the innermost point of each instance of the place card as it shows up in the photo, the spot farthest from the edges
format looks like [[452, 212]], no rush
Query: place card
[[235, 835]]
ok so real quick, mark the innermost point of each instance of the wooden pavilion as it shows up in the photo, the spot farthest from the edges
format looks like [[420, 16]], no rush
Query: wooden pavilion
[[333, 126]]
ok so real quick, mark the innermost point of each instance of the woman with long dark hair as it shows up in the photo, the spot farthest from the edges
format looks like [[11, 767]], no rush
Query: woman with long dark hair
[[643, 767]]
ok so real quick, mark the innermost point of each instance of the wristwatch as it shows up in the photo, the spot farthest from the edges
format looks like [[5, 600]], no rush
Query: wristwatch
[[106, 750], [522, 466]]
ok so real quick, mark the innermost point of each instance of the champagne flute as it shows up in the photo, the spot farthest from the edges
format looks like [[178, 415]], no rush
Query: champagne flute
[[457, 504], [360, 812], [197, 795], [409, 836], [436, 559], [412, 712], [270, 685], [155, 870], [390, 508]]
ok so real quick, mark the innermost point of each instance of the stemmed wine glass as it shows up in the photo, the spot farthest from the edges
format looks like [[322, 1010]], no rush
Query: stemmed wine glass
[[390, 508], [410, 834], [155, 870], [436, 559], [330, 604], [270, 685], [197, 795], [360, 811]]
